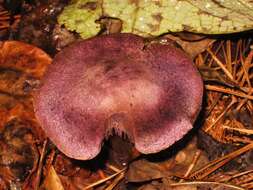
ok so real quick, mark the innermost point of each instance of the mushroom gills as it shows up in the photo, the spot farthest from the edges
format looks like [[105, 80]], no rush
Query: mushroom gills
[[117, 124]]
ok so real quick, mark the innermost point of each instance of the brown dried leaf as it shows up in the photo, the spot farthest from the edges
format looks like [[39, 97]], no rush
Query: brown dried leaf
[[190, 45], [23, 57], [143, 170], [52, 181], [17, 150], [21, 67]]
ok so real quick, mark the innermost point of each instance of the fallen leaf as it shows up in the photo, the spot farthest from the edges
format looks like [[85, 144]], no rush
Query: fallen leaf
[[147, 169], [151, 18], [25, 58], [52, 181], [143, 170], [192, 48]]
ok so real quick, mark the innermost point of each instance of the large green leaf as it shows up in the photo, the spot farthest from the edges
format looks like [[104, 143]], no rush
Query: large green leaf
[[155, 17]]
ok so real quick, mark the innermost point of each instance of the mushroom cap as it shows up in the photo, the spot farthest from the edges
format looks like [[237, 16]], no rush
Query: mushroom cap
[[150, 91]]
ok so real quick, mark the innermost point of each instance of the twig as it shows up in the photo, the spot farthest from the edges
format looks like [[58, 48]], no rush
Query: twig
[[241, 174], [4, 13], [113, 168], [248, 185], [228, 91], [228, 56], [221, 65], [191, 166], [222, 114], [215, 53], [38, 174], [104, 180], [5, 18], [214, 165], [245, 131], [116, 181], [207, 183]]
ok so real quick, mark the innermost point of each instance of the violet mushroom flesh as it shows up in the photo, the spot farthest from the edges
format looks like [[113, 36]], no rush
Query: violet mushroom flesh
[[150, 91]]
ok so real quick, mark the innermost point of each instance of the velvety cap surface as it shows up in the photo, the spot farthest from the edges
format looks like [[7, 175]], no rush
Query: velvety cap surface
[[150, 91]]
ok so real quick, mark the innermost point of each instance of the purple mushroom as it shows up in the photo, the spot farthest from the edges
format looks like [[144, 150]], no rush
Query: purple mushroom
[[150, 91]]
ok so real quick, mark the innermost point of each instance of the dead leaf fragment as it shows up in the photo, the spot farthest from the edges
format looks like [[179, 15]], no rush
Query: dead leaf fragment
[[52, 181], [191, 47], [23, 57], [143, 170]]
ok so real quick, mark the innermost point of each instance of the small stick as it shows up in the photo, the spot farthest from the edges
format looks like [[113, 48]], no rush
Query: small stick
[[40, 165], [191, 166], [116, 181], [5, 25], [245, 131], [207, 183], [104, 180], [229, 57], [248, 185], [221, 65], [228, 91], [215, 52], [222, 114], [4, 12], [4, 18], [113, 168], [214, 165], [244, 100]]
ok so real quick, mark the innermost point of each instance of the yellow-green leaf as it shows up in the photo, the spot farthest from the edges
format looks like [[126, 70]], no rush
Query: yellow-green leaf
[[155, 17], [80, 16]]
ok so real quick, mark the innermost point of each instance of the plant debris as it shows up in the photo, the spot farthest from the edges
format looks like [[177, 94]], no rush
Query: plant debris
[[219, 157], [38, 22], [21, 67], [8, 21]]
